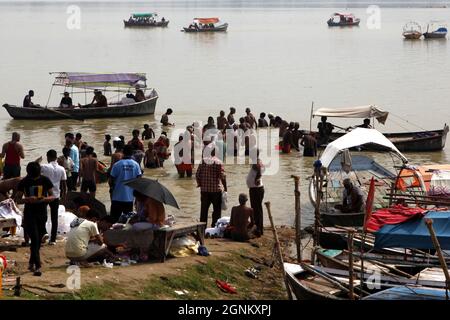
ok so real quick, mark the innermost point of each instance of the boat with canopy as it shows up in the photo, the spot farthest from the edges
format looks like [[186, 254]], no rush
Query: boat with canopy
[[206, 25], [436, 30], [416, 141], [412, 31], [343, 20], [119, 105], [338, 164], [145, 20]]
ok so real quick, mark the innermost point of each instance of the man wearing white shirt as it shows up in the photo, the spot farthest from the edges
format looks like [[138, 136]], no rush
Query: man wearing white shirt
[[256, 190], [57, 175]]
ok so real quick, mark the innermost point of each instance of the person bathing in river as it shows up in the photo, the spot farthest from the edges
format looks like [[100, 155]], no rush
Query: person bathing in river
[[148, 133], [165, 118], [262, 122], [325, 129], [151, 160], [107, 149]]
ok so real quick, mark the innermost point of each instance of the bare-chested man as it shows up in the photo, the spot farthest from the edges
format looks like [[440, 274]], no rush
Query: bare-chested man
[[88, 169]]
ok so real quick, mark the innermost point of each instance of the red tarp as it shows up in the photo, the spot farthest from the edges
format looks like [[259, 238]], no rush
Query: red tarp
[[207, 20], [393, 215]]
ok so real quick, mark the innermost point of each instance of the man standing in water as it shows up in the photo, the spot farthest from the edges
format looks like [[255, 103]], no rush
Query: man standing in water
[[12, 152], [165, 118], [230, 116], [222, 122]]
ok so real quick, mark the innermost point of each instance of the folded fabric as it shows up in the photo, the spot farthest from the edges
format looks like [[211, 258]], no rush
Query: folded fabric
[[393, 215]]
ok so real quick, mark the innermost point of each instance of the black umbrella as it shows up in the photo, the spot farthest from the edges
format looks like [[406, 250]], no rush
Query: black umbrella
[[153, 189]]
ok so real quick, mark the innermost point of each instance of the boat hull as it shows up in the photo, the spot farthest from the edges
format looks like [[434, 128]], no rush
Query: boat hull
[[145, 107], [412, 35], [218, 29], [146, 25], [343, 24], [421, 141], [435, 35]]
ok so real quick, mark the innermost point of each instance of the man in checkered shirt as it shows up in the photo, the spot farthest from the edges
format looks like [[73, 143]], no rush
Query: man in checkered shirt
[[212, 182]]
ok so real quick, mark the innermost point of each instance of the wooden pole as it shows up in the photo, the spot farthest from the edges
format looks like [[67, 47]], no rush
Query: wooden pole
[[437, 246], [1, 283], [280, 254], [318, 187], [298, 219], [351, 292], [311, 116]]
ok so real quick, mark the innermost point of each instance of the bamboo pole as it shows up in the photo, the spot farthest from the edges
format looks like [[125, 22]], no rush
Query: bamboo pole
[[350, 265], [280, 254], [437, 246], [318, 187], [298, 219]]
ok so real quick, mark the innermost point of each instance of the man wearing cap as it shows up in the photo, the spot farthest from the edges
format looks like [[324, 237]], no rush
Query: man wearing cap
[[66, 101]]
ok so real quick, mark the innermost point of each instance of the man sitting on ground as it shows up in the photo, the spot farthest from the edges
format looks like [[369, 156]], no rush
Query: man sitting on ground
[[239, 222], [84, 242]]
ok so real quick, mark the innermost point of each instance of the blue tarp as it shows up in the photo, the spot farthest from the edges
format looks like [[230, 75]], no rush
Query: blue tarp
[[414, 233]]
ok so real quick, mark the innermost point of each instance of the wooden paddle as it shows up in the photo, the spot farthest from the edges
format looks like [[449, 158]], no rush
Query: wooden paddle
[[59, 112]]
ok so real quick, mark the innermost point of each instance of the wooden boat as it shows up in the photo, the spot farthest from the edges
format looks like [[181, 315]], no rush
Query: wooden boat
[[409, 292], [307, 286], [206, 25], [343, 20], [412, 31], [85, 80], [145, 20], [436, 30], [362, 170], [415, 141]]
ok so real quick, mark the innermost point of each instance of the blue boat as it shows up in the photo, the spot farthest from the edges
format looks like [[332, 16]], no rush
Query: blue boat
[[408, 293]]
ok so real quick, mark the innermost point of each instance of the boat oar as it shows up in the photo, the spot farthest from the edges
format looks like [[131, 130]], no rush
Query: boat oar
[[60, 113]]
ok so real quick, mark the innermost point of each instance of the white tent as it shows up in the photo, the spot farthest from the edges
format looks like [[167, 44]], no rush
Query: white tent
[[370, 111], [354, 138]]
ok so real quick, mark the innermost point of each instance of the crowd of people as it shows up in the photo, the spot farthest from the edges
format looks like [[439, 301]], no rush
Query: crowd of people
[[47, 185]]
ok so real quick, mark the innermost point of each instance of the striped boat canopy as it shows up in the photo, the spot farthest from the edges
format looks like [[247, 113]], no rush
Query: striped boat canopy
[[99, 80]]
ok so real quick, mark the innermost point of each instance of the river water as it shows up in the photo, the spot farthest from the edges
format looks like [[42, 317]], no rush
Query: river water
[[276, 57]]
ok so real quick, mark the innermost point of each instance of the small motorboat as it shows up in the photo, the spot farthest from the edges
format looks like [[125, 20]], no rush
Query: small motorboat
[[145, 20], [412, 31], [206, 25], [343, 20], [436, 30]]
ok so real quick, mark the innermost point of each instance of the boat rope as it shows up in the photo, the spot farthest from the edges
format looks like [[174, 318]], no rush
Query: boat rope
[[407, 121]]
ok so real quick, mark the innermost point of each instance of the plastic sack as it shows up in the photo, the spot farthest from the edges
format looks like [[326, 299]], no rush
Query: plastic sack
[[224, 200], [64, 220]]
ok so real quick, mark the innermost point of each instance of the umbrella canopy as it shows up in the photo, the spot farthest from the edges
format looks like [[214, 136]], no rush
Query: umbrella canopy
[[153, 189]]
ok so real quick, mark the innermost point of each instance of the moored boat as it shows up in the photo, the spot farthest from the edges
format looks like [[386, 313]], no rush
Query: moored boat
[[343, 20], [436, 30], [122, 84], [412, 31], [206, 25], [145, 20], [413, 141]]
